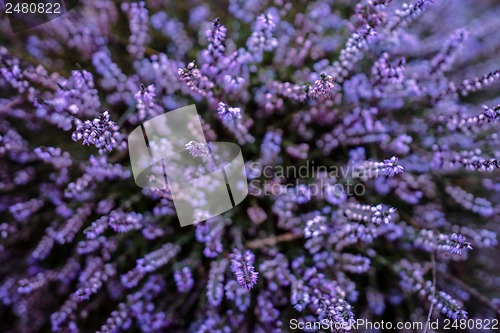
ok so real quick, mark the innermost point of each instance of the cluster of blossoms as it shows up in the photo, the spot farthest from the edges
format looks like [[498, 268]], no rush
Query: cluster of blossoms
[[243, 269], [100, 132], [389, 93], [197, 149]]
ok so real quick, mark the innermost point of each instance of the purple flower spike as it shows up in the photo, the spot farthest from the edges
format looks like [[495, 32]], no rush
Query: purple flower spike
[[184, 279], [364, 145], [227, 113], [323, 86], [243, 269], [101, 132], [197, 149], [392, 167]]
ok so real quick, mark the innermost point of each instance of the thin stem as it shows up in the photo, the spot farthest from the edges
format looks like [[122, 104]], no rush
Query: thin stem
[[433, 258], [125, 115], [9, 105]]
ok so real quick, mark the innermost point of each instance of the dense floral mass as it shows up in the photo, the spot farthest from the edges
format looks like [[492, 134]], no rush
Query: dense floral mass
[[403, 99]]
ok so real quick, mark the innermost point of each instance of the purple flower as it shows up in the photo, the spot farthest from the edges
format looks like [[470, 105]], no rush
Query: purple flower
[[138, 18], [214, 53], [243, 269], [197, 82], [454, 244], [262, 38], [184, 279], [149, 263], [327, 101], [392, 167], [145, 103], [197, 149], [240, 296], [215, 288], [101, 132], [315, 227], [322, 87], [227, 113], [379, 216], [210, 233]]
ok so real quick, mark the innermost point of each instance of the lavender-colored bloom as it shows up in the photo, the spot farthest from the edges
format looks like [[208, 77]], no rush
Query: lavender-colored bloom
[[215, 288], [243, 269], [26, 286], [97, 227], [355, 263], [138, 18], [232, 119], [240, 296], [101, 132], [471, 160], [351, 53], [444, 59], [120, 221], [323, 86], [197, 82], [451, 244], [78, 95], [276, 271], [22, 210], [43, 248], [114, 78], [100, 169], [469, 86], [256, 214], [378, 214], [271, 147], [70, 228], [412, 280], [173, 28], [210, 233], [262, 37], [467, 200], [328, 101], [315, 227], [227, 113], [145, 103], [266, 312], [454, 244], [197, 149], [149, 263], [184, 279], [300, 295], [385, 73], [92, 278], [409, 13], [54, 156], [214, 53], [392, 167], [370, 169]]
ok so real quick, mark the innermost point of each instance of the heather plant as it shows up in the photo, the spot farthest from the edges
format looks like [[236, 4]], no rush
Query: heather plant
[[403, 98]]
